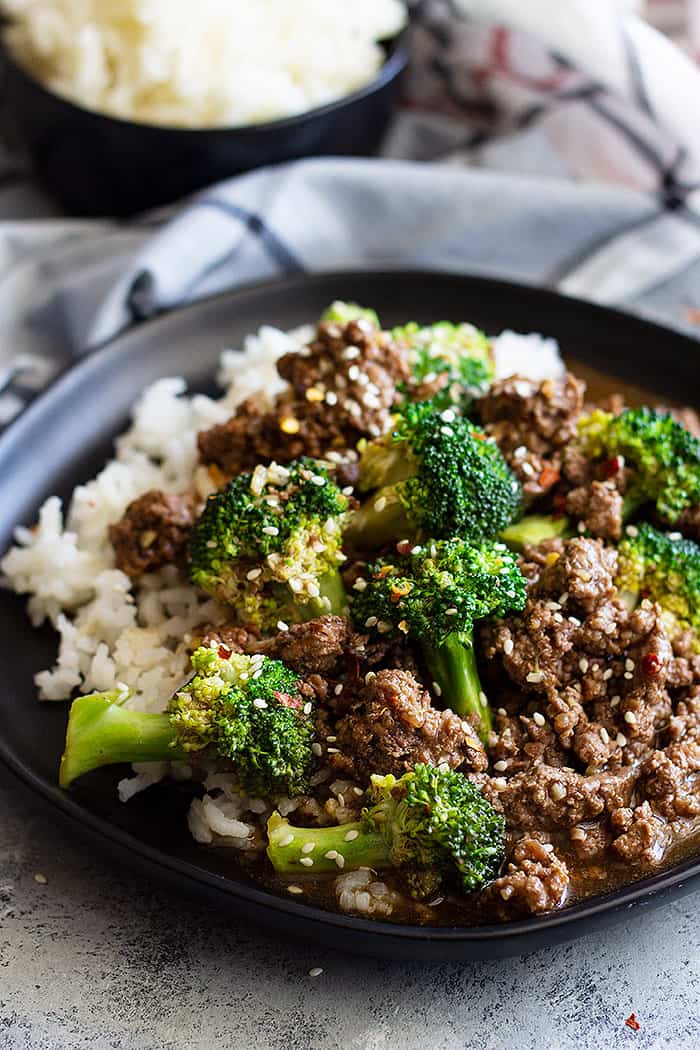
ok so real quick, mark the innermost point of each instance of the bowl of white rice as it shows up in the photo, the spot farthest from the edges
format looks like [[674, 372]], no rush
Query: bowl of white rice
[[132, 105]]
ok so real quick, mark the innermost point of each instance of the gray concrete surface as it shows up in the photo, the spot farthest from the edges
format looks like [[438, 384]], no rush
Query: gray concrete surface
[[98, 958]]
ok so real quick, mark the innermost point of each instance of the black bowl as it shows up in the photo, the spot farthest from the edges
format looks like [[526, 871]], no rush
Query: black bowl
[[101, 165]]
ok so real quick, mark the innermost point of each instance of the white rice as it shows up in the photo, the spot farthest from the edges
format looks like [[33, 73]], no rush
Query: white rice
[[114, 634], [213, 63]]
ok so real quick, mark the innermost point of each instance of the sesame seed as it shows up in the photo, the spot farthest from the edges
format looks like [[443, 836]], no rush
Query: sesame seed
[[259, 702], [500, 783], [282, 626], [380, 504], [583, 665], [296, 585], [307, 862], [340, 860], [314, 393], [353, 373], [351, 352], [558, 618], [508, 646], [501, 766], [527, 468], [615, 701], [351, 835], [437, 688], [577, 834], [538, 719], [604, 735], [308, 847], [632, 530], [621, 740], [253, 574], [270, 530], [607, 674], [557, 791], [317, 749], [338, 689], [360, 584], [447, 431], [348, 490], [630, 718], [332, 740], [576, 622], [331, 855], [40, 878], [315, 971], [287, 840], [371, 621], [448, 416], [370, 676], [294, 889], [333, 751], [629, 665], [317, 479], [451, 612], [358, 791], [331, 398], [307, 708], [628, 675], [535, 676], [502, 712]]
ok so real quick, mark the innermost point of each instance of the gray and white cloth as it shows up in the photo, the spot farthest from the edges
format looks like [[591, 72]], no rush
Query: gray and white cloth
[[555, 142]]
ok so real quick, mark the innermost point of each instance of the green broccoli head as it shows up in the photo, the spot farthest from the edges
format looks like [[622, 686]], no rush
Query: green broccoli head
[[431, 825], [342, 313], [666, 569], [435, 821], [440, 589], [458, 352], [662, 456], [269, 544], [247, 710], [438, 475], [244, 713]]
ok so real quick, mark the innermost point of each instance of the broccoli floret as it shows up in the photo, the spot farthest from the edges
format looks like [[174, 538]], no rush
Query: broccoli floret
[[431, 824], [666, 569], [663, 458], [460, 352], [434, 595], [343, 313], [437, 475], [244, 710], [269, 545], [534, 529]]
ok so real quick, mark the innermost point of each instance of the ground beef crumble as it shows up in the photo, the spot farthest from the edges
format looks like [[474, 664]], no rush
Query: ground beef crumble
[[532, 423], [153, 532], [342, 387], [536, 880]]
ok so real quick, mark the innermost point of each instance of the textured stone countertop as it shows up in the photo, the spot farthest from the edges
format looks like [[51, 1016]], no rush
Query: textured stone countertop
[[95, 957]]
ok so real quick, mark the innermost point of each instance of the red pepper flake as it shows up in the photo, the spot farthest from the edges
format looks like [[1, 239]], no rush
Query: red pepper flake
[[633, 1023], [479, 436], [549, 476], [286, 700], [612, 466], [224, 653], [651, 664], [383, 572]]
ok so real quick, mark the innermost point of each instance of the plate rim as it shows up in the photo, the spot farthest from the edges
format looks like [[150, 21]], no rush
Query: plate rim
[[158, 862]]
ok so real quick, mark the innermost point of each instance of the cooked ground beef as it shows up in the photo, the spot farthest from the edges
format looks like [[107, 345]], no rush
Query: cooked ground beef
[[391, 725], [327, 646], [532, 423], [536, 880], [342, 388], [153, 532]]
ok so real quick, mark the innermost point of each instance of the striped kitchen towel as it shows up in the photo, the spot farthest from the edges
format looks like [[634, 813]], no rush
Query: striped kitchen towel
[[555, 142]]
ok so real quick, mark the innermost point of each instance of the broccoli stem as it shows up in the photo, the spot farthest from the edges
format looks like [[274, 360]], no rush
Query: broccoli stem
[[101, 733], [361, 849], [452, 666], [534, 529], [371, 527]]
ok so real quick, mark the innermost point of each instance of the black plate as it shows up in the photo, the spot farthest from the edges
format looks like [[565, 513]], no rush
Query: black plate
[[65, 437]]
